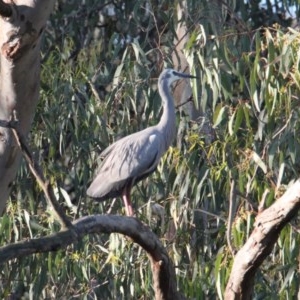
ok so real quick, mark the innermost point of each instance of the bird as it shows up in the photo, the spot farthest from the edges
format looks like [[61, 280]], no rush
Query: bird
[[134, 157]]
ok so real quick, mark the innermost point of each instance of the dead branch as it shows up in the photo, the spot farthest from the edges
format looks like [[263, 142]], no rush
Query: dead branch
[[164, 280], [5, 9], [36, 171], [267, 227]]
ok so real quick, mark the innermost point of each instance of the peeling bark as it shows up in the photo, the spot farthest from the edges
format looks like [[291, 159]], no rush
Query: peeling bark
[[22, 24], [164, 280], [267, 227]]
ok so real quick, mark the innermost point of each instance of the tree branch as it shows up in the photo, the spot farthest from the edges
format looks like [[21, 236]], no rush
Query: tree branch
[[36, 171], [267, 227], [5, 9], [164, 280]]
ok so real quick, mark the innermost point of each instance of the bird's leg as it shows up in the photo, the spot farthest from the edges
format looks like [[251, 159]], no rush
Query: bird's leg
[[127, 201]]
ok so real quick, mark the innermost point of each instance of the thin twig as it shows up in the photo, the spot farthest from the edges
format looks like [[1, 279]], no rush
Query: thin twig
[[37, 172], [111, 206], [210, 214], [232, 206], [283, 128], [190, 99]]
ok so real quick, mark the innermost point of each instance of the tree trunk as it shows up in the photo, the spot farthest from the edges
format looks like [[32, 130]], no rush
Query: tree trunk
[[22, 24]]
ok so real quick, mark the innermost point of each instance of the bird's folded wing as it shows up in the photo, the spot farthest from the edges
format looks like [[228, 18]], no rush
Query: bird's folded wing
[[133, 157]]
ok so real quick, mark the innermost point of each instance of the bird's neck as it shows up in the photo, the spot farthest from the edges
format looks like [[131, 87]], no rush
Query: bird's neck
[[167, 122]]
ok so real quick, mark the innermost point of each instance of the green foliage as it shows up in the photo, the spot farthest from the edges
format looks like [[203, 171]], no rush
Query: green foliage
[[98, 84]]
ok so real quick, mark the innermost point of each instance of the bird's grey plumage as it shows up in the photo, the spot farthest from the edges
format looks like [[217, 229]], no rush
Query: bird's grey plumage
[[134, 157], [126, 162]]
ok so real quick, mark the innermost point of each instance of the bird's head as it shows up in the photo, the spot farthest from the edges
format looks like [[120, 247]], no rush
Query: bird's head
[[169, 76]]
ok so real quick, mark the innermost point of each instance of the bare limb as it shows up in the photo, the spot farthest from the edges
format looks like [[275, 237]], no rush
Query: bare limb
[[267, 228], [37, 172], [164, 280], [5, 9]]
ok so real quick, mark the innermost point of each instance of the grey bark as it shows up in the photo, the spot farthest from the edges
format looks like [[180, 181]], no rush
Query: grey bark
[[22, 24], [267, 227]]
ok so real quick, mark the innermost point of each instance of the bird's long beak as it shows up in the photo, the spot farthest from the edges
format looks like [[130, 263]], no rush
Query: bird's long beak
[[184, 75]]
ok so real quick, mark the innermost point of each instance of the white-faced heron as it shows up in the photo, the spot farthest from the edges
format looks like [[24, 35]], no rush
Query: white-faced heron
[[134, 157]]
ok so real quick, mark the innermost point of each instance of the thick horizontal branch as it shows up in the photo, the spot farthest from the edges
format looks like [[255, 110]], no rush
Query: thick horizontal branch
[[162, 267], [267, 227]]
